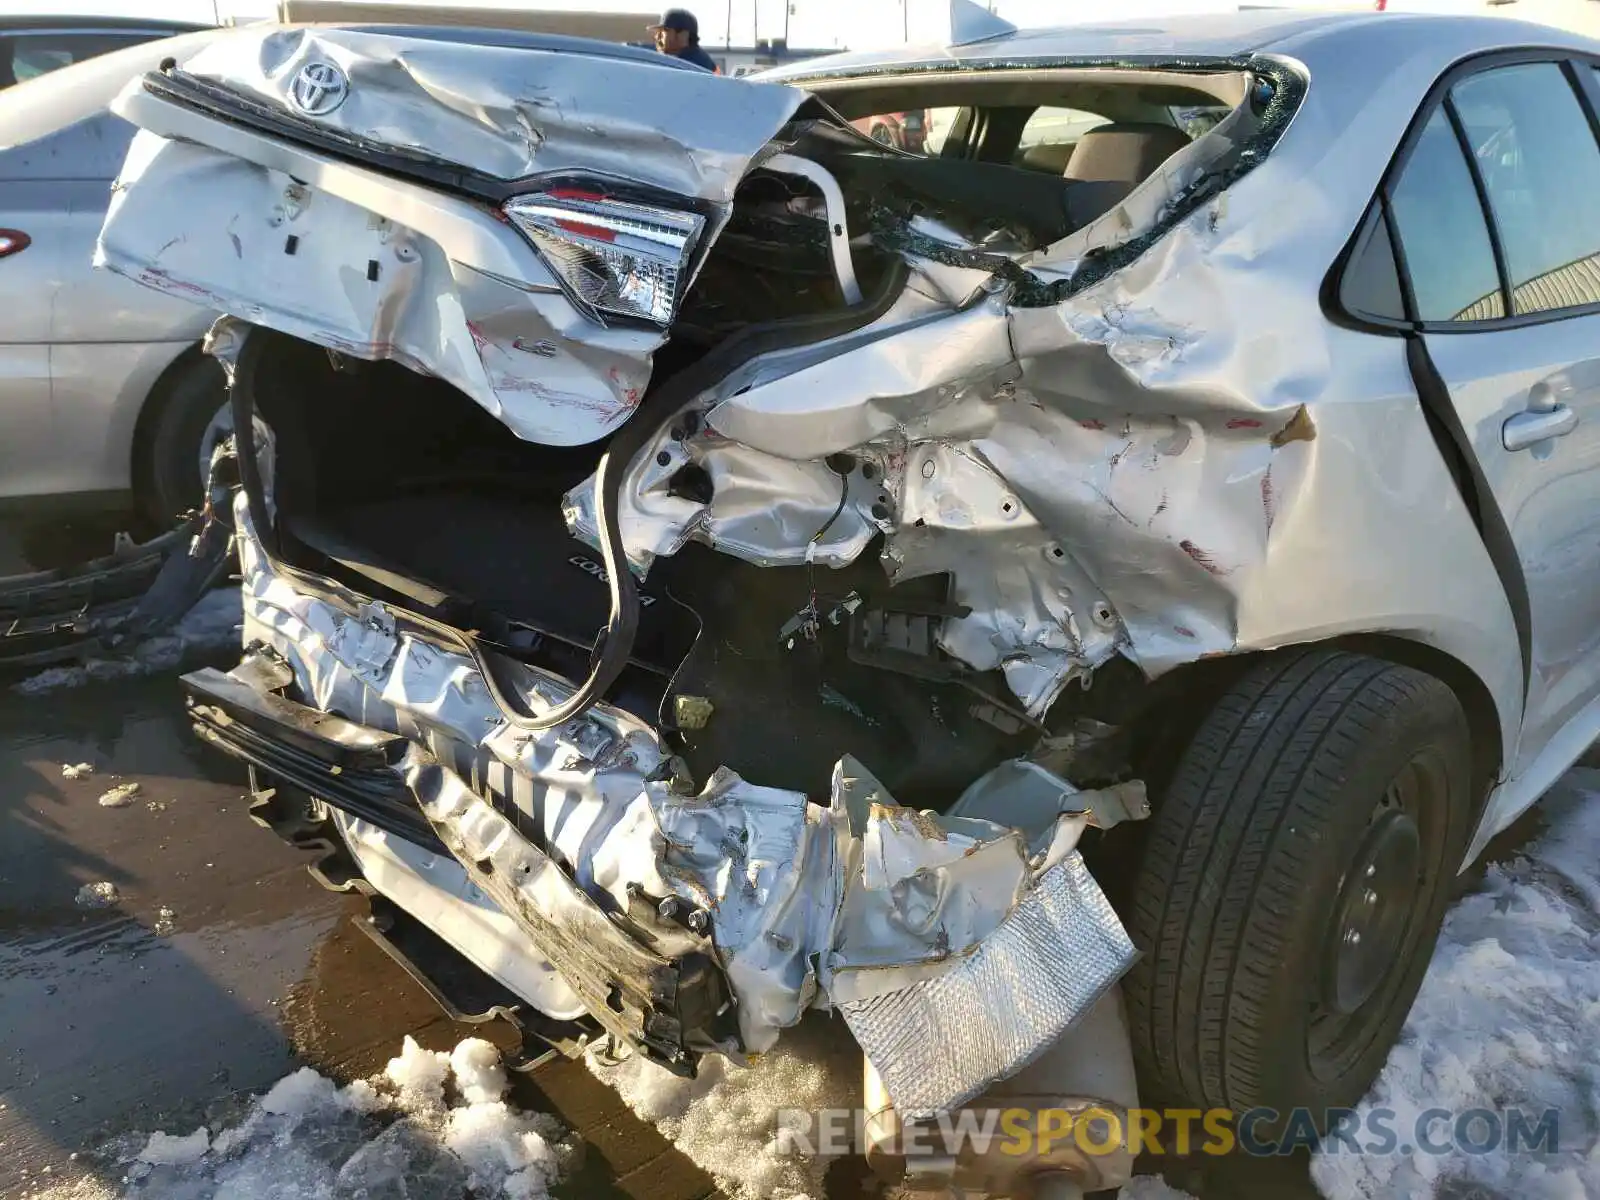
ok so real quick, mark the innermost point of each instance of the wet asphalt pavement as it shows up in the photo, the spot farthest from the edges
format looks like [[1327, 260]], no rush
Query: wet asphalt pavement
[[222, 966]]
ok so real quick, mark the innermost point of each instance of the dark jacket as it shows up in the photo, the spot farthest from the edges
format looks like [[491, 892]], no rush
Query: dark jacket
[[693, 53]]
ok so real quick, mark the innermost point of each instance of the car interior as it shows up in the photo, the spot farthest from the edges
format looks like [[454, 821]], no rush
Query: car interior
[[1066, 146]]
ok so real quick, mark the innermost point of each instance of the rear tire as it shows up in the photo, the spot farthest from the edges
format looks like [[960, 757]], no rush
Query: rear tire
[[1293, 884], [168, 477]]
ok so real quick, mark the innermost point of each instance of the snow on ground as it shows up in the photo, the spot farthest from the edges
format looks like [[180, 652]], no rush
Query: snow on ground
[[726, 1119], [1508, 1016], [212, 624], [431, 1126]]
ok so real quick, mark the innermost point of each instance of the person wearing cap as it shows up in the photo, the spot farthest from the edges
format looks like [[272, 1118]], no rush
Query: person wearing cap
[[678, 34]]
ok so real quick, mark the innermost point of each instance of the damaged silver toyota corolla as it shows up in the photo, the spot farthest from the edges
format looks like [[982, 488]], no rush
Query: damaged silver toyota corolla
[[1138, 435]]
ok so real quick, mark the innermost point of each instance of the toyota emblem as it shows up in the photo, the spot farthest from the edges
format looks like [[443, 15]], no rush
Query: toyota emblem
[[319, 88]]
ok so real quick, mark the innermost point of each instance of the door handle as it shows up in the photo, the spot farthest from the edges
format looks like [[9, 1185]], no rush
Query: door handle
[[1528, 429]]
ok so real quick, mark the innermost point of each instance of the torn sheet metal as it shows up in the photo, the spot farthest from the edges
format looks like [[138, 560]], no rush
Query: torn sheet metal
[[940, 1039], [635, 990], [437, 890], [1113, 450], [965, 948], [758, 867], [912, 411]]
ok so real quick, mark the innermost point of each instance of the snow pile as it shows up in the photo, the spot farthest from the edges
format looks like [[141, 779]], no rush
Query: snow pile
[[120, 796], [430, 1125], [212, 624], [97, 895], [1506, 1019], [164, 1150], [725, 1120]]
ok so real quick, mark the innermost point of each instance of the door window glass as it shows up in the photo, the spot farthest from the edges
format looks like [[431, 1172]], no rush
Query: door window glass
[[1540, 166], [1370, 286], [33, 55], [917, 131], [1442, 231], [1050, 135]]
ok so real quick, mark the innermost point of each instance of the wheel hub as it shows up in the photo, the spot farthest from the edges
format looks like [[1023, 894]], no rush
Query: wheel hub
[[1375, 907]]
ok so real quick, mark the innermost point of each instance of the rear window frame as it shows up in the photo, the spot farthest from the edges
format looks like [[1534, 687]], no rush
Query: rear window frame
[[1582, 72]]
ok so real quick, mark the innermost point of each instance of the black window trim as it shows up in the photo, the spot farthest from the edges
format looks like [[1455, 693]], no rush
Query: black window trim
[[1580, 72], [1408, 297], [1491, 222]]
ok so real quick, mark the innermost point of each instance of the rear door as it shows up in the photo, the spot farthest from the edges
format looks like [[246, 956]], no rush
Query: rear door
[[1498, 226], [33, 237]]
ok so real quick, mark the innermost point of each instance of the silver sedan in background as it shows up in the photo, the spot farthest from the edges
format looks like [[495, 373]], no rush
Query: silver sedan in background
[[35, 46], [105, 397]]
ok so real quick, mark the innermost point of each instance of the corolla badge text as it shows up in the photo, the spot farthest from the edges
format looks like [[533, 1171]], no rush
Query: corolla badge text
[[319, 88]]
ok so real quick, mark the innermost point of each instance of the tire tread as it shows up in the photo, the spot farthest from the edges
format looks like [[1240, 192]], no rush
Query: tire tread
[[1221, 874]]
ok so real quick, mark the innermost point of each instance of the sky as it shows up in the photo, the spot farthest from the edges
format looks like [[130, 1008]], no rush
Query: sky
[[811, 24], [860, 24]]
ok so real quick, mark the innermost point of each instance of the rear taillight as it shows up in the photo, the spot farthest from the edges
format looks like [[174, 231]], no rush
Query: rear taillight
[[13, 241], [611, 256]]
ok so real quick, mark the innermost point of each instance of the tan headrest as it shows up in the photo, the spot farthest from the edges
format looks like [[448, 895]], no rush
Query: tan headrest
[[1123, 153]]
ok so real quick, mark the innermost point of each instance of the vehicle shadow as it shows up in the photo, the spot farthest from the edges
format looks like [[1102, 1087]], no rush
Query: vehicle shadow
[[147, 1012]]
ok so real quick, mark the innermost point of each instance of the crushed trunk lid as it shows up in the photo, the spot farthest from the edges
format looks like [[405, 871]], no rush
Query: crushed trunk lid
[[536, 267]]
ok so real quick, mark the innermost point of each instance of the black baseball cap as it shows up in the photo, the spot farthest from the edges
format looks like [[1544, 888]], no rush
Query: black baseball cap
[[679, 19]]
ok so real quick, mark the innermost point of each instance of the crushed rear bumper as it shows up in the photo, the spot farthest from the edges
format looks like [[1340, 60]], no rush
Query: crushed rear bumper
[[672, 1006], [583, 870]]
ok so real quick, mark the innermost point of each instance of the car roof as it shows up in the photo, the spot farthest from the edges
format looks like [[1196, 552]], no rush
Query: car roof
[[1207, 35], [76, 23]]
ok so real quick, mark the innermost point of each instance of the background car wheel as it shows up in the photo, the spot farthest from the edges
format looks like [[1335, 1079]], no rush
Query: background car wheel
[[1294, 881], [189, 417]]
